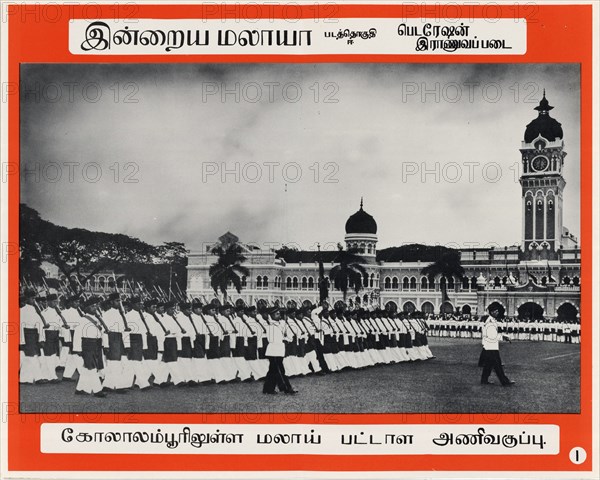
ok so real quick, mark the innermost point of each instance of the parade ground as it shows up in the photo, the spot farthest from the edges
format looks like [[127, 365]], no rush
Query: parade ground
[[547, 377]]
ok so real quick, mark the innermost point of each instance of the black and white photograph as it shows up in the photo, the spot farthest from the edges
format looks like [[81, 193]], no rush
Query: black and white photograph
[[295, 238]]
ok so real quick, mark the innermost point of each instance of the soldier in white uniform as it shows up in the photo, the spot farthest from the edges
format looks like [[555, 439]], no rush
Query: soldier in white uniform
[[87, 343], [136, 342], [311, 334], [490, 354], [223, 333], [320, 317], [172, 342], [258, 365], [201, 344], [51, 335], [118, 372], [276, 376], [156, 340], [31, 330]]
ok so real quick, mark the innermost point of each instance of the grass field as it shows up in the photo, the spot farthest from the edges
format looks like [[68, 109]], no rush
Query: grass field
[[547, 379]]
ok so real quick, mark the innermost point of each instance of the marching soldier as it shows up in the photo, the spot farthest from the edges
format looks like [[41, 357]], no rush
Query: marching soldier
[[200, 344], [276, 376], [226, 363], [310, 348], [118, 373], [31, 331], [86, 342], [165, 312], [255, 353], [51, 335], [155, 341], [238, 342], [136, 342]]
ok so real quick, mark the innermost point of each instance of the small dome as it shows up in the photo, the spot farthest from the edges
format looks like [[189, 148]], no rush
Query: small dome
[[544, 124], [361, 222], [481, 280]]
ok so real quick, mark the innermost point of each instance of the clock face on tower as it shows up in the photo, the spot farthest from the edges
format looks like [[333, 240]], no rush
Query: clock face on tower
[[539, 164]]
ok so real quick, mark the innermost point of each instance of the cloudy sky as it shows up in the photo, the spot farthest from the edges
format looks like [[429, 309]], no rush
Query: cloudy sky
[[433, 149]]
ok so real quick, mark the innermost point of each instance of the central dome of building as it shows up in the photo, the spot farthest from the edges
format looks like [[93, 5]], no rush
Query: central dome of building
[[361, 222], [544, 124]]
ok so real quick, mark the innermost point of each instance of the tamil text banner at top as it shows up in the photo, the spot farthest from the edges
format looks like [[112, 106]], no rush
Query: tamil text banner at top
[[419, 36]]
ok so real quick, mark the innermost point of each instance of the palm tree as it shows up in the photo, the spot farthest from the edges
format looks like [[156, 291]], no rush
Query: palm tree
[[448, 266], [349, 272], [227, 269]]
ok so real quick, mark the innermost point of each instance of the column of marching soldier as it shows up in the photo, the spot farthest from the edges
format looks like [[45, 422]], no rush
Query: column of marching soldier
[[117, 343], [538, 330]]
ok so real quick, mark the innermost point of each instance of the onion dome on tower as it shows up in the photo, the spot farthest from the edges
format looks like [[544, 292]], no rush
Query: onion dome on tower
[[361, 222], [361, 233], [544, 125]]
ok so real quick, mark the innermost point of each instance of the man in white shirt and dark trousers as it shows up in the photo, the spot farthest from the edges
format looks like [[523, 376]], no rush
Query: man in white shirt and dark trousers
[[275, 353], [490, 355]]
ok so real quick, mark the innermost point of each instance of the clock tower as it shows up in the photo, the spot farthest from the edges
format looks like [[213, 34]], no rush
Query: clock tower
[[542, 185]]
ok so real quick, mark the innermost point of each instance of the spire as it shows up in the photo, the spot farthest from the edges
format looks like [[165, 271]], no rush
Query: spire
[[361, 203], [544, 106]]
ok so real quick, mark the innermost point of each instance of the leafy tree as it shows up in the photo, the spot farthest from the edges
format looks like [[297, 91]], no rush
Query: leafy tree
[[78, 253], [349, 272], [173, 253], [228, 269], [30, 251]]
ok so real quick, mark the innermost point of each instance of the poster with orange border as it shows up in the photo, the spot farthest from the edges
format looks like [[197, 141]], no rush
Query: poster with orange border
[[163, 41]]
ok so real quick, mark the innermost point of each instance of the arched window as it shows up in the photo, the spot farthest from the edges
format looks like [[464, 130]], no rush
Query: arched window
[[295, 283], [544, 280], [265, 281], [473, 283], [432, 283], [576, 281], [101, 283], [259, 282], [424, 283], [427, 307], [409, 307], [451, 283], [365, 281], [288, 283], [244, 281], [413, 283], [405, 283], [465, 283], [391, 307], [443, 283], [566, 281], [372, 280], [311, 283], [387, 283], [496, 281], [304, 283], [395, 283]]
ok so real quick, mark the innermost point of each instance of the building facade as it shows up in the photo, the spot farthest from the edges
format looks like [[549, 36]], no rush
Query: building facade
[[539, 278]]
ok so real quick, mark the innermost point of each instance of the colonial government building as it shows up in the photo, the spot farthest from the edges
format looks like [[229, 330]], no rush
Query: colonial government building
[[541, 277]]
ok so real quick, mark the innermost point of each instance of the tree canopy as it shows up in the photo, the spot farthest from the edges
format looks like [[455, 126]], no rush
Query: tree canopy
[[79, 254]]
